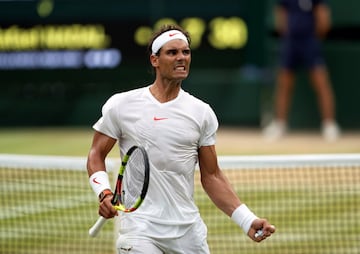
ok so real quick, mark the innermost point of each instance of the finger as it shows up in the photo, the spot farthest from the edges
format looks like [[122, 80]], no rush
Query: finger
[[272, 229], [269, 230], [107, 210]]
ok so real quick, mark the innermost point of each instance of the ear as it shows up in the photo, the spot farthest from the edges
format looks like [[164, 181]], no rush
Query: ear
[[154, 60]]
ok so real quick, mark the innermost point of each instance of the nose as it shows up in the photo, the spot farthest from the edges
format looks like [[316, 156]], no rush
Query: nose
[[180, 56]]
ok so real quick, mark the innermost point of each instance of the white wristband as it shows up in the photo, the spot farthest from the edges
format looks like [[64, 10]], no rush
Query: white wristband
[[99, 181], [243, 217]]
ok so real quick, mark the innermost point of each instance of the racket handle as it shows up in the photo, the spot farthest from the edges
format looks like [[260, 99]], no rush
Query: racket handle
[[94, 230]]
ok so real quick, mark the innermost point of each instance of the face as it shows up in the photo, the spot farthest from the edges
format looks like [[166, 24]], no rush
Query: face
[[173, 62]]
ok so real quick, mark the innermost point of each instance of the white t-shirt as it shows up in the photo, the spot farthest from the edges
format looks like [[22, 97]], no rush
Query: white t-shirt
[[172, 133]]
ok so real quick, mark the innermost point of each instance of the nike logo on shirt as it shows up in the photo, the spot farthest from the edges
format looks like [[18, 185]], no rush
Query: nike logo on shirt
[[159, 118]]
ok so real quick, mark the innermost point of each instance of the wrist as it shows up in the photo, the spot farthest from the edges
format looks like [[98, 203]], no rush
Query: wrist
[[244, 217], [99, 181], [104, 194]]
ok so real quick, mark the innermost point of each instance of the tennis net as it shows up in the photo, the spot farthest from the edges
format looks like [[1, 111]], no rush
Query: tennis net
[[48, 206]]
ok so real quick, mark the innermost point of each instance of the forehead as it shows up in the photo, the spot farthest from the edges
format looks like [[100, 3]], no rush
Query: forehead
[[175, 44]]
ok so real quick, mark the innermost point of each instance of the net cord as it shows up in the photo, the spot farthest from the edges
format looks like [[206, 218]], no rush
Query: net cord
[[225, 162]]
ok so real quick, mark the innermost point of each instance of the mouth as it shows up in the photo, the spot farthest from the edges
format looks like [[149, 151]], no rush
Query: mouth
[[179, 68]]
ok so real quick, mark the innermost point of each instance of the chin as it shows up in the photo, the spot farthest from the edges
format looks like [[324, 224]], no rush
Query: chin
[[181, 76]]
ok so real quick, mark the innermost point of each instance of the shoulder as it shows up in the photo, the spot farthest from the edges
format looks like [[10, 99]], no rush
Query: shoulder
[[193, 100], [129, 93], [198, 107], [123, 98]]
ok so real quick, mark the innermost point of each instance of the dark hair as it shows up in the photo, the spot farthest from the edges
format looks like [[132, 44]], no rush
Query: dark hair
[[164, 29]]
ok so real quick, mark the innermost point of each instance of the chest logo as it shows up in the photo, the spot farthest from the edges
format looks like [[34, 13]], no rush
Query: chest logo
[[159, 118]]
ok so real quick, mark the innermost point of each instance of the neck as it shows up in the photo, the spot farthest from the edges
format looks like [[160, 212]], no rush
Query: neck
[[165, 93]]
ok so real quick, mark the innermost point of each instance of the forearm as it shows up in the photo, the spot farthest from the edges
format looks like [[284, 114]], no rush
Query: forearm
[[224, 197], [98, 177], [100, 148], [95, 162], [221, 193]]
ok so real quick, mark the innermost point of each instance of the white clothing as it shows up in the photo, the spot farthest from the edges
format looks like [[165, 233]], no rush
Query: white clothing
[[172, 133], [193, 242]]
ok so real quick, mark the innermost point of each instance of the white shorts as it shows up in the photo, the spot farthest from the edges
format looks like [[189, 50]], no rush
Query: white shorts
[[192, 242]]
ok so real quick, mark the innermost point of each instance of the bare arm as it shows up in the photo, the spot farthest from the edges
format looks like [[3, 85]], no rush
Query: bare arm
[[220, 191], [214, 182], [100, 148]]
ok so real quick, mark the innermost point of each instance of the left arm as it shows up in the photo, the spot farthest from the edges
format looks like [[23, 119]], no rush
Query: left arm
[[217, 186], [215, 183]]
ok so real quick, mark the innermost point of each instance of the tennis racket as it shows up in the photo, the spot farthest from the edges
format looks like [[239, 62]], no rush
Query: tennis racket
[[131, 185]]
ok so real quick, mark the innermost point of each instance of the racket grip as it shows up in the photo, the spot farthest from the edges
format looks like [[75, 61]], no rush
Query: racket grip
[[94, 230]]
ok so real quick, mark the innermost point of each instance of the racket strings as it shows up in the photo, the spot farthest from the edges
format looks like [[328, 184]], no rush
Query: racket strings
[[133, 179]]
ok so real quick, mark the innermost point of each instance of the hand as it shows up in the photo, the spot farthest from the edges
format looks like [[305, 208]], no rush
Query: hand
[[261, 224], [106, 208]]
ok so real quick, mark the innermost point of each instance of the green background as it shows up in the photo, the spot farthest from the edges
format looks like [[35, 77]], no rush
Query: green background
[[238, 83]]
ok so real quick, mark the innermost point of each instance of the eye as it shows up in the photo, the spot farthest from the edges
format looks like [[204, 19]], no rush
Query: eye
[[187, 52], [172, 52]]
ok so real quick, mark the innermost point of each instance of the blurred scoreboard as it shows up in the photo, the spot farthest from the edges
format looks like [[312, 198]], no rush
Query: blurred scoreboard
[[61, 59], [102, 44], [67, 56], [50, 34]]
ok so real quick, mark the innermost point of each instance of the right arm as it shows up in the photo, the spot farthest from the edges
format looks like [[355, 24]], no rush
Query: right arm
[[100, 148]]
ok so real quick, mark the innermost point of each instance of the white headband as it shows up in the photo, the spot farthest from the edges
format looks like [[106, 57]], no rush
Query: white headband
[[166, 37]]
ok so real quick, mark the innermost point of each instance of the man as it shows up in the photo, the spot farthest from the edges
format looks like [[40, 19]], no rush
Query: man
[[302, 24], [177, 130]]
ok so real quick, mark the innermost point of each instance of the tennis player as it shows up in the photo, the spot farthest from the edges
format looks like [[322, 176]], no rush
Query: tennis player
[[302, 26], [178, 131]]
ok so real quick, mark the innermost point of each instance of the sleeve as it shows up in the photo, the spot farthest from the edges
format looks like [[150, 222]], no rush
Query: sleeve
[[108, 123], [209, 128]]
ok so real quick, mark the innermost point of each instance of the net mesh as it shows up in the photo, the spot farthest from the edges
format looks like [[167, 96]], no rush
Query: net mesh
[[48, 206]]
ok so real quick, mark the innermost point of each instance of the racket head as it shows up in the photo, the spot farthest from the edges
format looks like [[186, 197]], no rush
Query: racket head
[[133, 180]]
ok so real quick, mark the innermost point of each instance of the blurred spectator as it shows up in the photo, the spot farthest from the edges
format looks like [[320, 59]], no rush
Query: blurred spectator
[[302, 24]]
